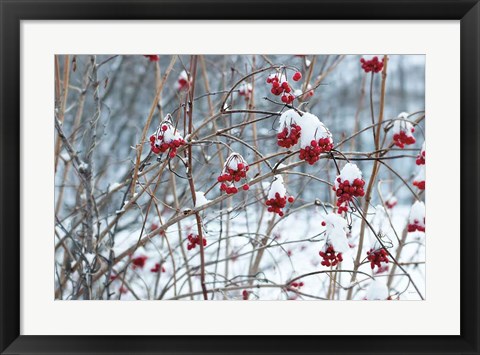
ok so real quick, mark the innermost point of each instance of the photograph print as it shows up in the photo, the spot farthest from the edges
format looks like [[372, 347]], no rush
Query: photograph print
[[240, 177]]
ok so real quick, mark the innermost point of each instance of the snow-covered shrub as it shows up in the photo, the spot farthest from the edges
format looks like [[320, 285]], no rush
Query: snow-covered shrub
[[135, 209], [348, 184], [336, 242], [245, 90], [183, 81], [277, 196], [416, 220], [419, 179], [166, 137], [421, 156], [234, 170], [403, 131], [289, 131], [315, 139]]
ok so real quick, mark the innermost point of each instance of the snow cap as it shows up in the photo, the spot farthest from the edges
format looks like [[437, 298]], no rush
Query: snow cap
[[287, 118], [417, 214], [349, 172], [200, 199], [277, 186], [312, 129], [336, 232]]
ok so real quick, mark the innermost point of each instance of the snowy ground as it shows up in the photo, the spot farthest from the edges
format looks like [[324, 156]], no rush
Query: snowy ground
[[293, 248]]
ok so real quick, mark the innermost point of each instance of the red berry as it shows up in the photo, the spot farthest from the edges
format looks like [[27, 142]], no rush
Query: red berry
[[297, 76], [152, 57]]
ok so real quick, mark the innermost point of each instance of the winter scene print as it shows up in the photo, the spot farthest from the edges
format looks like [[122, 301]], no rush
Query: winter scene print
[[240, 177]]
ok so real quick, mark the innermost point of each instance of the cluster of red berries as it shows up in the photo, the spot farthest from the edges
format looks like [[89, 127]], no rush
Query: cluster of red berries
[[183, 83], [391, 202], [311, 153], [152, 57], [401, 139], [302, 96], [139, 262], [275, 205], [245, 90], [194, 240], [230, 176], [158, 145], [309, 92], [157, 268], [419, 184], [281, 88], [372, 65], [421, 158], [289, 136], [377, 257], [297, 284], [245, 295], [330, 256], [232, 189], [346, 192], [122, 289], [415, 226]]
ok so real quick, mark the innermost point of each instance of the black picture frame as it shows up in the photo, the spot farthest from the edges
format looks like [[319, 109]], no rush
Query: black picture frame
[[13, 12]]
